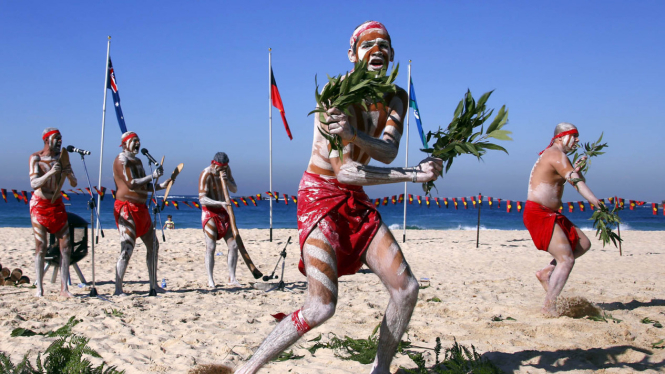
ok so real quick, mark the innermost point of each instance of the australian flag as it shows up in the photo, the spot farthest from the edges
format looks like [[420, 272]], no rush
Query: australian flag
[[113, 86]]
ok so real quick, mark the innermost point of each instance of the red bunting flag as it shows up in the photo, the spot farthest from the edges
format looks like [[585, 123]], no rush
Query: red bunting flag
[[561, 209], [385, 200], [498, 203], [466, 205], [473, 200], [277, 102], [394, 199], [243, 200], [621, 202], [295, 201], [175, 204], [89, 192], [632, 204], [64, 195], [253, 200], [519, 206], [455, 202], [377, 202], [103, 192], [640, 203], [401, 198], [427, 200], [166, 203], [654, 207], [74, 192], [611, 200], [187, 203], [155, 201], [4, 194], [436, 200], [82, 192], [25, 197], [286, 199], [410, 199], [420, 201], [269, 194], [445, 202], [581, 204], [480, 199], [276, 197], [235, 203], [591, 206], [258, 196], [196, 205], [17, 196], [509, 206], [489, 201], [113, 194], [570, 207]]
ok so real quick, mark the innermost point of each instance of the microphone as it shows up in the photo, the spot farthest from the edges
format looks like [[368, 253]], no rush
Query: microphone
[[150, 158], [71, 148]]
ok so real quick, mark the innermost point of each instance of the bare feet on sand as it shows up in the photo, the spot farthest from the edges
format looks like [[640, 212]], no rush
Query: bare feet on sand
[[543, 276]]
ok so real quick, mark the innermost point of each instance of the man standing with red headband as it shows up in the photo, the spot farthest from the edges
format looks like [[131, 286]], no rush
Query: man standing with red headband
[[214, 218], [550, 230], [47, 217], [131, 213], [338, 226]]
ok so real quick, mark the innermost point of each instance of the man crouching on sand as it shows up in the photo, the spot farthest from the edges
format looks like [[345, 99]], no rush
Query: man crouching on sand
[[214, 218], [550, 230], [338, 226], [47, 217], [131, 214]]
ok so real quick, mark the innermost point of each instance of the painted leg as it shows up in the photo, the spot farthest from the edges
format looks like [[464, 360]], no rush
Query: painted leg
[[560, 249], [321, 268], [210, 232], [384, 257], [232, 258], [40, 233], [127, 240], [544, 275], [65, 258], [152, 258]]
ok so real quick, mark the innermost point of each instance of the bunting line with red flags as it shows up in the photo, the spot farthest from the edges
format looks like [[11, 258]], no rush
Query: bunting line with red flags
[[64, 195], [385, 201], [187, 203], [82, 192], [252, 199], [498, 203], [400, 199], [561, 209], [286, 199], [591, 206], [410, 199], [427, 201], [420, 202], [276, 197], [377, 202], [113, 194], [455, 202], [519, 207], [196, 205], [277, 102], [473, 200], [89, 192], [445, 202], [394, 199], [436, 200], [25, 197], [258, 196], [17, 196], [175, 204], [489, 201], [509, 206], [235, 203], [243, 200], [581, 205], [295, 200], [654, 207], [4, 194], [466, 205], [570, 207], [74, 192]]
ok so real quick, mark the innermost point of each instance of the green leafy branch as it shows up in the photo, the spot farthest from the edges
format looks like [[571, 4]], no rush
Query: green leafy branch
[[360, 87], [457, 359], [459, 137], [584, 158], [604, 221]]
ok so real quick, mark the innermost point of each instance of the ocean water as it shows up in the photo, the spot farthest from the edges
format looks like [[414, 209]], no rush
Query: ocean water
[[419, 217]]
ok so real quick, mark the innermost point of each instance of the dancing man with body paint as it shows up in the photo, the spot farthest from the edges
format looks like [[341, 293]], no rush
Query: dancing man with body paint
[[214, 218], [338, 226], [131, 213], [45, 170], [550, 230]]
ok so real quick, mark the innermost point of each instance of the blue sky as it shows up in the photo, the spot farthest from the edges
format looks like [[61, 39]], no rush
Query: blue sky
[[193, 79]]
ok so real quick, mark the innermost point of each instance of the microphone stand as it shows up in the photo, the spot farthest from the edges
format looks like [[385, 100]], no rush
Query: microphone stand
[[155, 214], [281, 286], [93, 212]]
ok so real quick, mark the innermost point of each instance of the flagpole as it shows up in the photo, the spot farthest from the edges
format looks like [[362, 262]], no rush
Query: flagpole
[[101, 148], [408, 109], [270, 128]]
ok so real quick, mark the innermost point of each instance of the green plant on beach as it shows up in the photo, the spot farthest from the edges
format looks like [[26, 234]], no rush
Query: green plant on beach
[[114, 313], [64, 355], [360, 87], [65, 330], [458, 359], [605, 317], [459, 137]]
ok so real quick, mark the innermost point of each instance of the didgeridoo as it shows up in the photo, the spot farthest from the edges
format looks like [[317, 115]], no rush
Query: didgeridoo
[[241, 246]]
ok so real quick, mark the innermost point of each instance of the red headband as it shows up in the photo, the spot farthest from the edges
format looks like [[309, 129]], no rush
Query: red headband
[[126, 138], [49, 134], [367, 26], [219, 164], [560, 135]]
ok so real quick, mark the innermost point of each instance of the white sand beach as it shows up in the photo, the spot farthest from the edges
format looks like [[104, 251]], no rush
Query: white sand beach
[[192, 324]]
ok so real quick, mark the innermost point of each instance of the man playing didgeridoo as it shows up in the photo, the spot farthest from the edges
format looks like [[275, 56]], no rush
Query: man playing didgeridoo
[[47, 217], [550, 230], [214, 218], [130, 210], [339, 228]]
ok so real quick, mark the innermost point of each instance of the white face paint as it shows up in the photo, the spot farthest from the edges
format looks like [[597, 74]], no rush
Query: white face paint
[[55, 142], [379, 50], [133, 145], [569, 143]]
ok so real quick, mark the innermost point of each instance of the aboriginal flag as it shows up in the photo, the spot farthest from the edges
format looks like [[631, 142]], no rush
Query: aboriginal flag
[[4, 194], [581, 204], [591, 206], [113, 86], [253, 200], [175, 204], [427, 200], [519, 206], [498, 203], [101, 192], [25, 197], [394, 199], [64, 195], [436, 200], [400, 199], [17, 196], [113, 194], [445, 202], [509, 206], [632, 204], [570, 207], [277, 102], [276, 197], [560, 208], [654, 207], [410, 199], [235, 203], [295, 201], [455, 202], [258, 196], [286, 199], [420, 202], [187, 203], [466, 205], [489, 201], [78, 189], [196, 205], [243, 200], [385, 200], [89, 192], [377, 202], [72, 191], [473, 200]]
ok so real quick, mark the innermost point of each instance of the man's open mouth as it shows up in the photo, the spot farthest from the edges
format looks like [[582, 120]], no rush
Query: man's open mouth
[[376, 62]]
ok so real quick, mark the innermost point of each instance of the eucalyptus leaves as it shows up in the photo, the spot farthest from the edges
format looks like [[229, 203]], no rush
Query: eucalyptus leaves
[[459, 137], [590, 150], [360, 87], [604, 220]]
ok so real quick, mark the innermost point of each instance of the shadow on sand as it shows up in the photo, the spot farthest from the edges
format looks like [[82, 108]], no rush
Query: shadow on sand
[[630, 305], [574, 359]]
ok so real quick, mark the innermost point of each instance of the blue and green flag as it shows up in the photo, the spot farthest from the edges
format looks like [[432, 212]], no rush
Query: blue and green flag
[[414, 105]]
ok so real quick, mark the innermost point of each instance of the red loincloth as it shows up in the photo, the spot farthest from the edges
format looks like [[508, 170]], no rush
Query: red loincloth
[[139, 212], [220, 216], [540, 220], [50, 215], [347, 218]]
